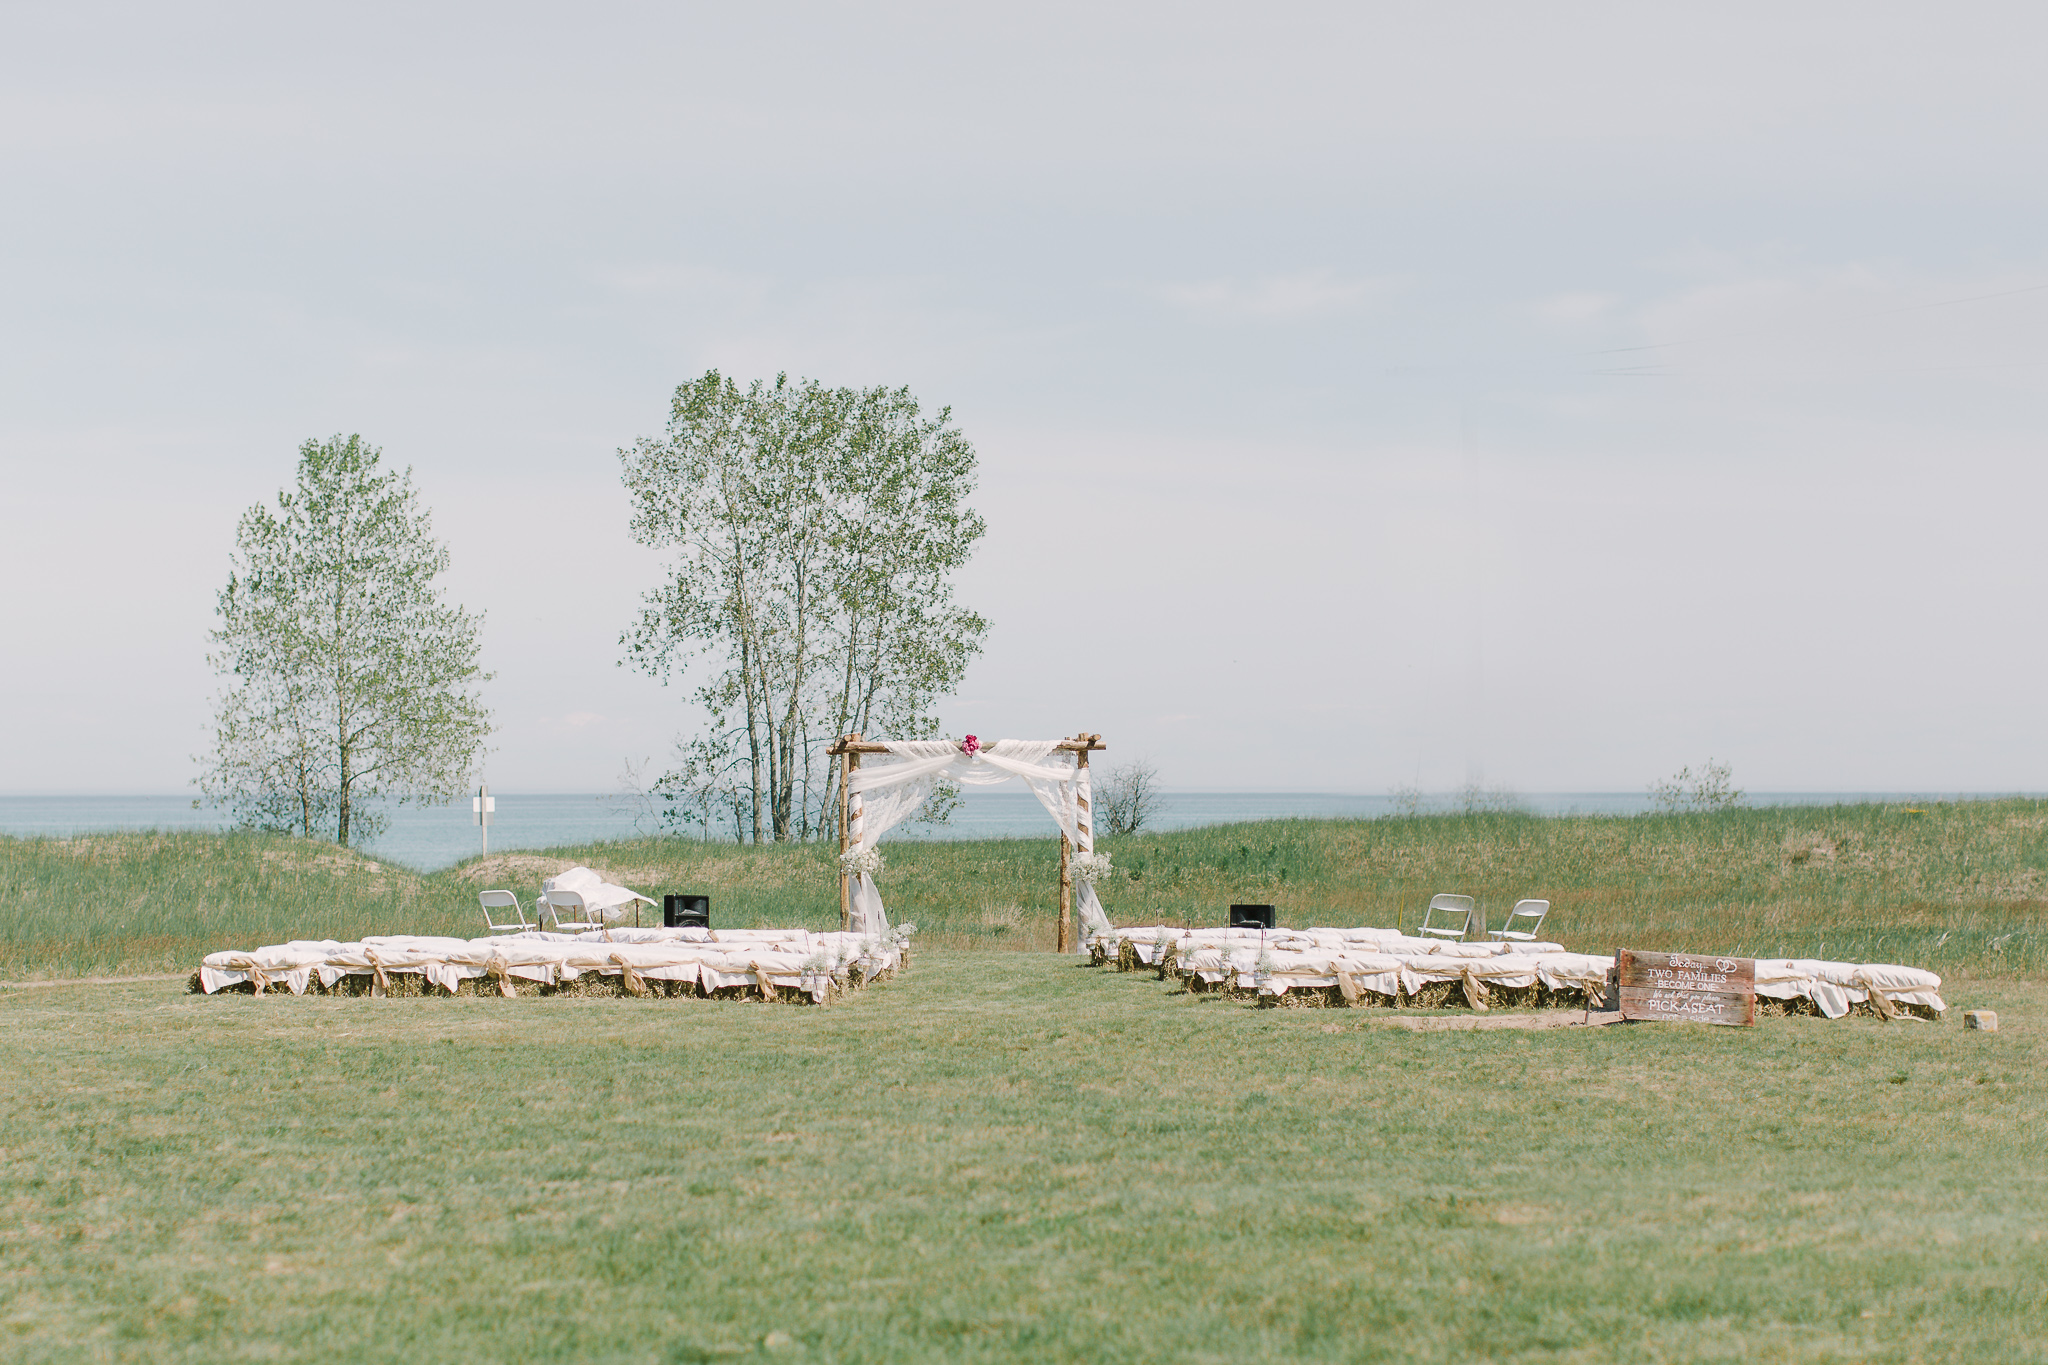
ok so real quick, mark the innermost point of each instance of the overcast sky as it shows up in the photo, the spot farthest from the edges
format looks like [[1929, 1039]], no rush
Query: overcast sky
[[1542, 395]]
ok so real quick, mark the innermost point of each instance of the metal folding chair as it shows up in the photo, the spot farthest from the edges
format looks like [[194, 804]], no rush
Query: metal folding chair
[[580, 917], [1457, 917], [502, 900], [1531, 914]]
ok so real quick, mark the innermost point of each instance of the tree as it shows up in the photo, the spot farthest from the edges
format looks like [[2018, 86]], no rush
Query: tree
[[1127, 798], [815, 532], [348, 676]]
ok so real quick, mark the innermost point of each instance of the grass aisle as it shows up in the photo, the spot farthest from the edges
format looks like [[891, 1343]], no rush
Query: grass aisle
[[1004, 1156]]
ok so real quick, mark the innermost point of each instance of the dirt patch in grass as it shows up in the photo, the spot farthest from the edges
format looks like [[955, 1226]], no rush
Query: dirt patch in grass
[[511, 871]]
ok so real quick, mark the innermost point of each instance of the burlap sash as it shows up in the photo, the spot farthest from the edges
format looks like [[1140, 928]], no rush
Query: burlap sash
[[1884, 1007], [628, 977], [1475, 990], [495, 970], [761, 976], [257, 976], [1346, 987], [379, 983]]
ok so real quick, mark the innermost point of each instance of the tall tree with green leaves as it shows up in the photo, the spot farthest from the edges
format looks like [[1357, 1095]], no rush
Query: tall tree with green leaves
[[347, 676], [814, 532]]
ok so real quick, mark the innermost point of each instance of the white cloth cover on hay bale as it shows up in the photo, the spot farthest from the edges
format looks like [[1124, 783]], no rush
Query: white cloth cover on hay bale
[[891, 789], [1379, 960], [1835, 986], [766, 959]]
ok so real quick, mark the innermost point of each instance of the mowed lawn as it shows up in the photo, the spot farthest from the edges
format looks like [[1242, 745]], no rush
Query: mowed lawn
[[1004, 1156]]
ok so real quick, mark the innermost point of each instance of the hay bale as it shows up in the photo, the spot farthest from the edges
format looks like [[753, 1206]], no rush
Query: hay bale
[[481, 986], [589, 984], [595, 984], [1564, 998], [1863, 1009], [1304, 998], [1436, 995], [404, 985]]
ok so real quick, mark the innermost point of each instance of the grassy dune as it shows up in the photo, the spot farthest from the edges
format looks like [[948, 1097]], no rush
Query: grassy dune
[[1960, 888]]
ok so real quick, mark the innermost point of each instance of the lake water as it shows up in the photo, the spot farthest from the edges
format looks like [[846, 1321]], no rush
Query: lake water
[[427, 838]]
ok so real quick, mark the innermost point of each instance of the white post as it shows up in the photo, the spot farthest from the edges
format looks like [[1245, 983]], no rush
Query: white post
[[481, 805], [1084, 842], [856, 823]]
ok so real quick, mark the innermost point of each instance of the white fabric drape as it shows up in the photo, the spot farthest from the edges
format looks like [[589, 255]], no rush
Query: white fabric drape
[[889, 791], [597, 893]]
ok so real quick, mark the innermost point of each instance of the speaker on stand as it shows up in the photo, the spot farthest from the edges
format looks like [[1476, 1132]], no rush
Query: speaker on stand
[[686, 912]]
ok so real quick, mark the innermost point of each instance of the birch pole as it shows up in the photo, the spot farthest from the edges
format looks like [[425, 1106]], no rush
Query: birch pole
[[1066, 889], [848, 761]]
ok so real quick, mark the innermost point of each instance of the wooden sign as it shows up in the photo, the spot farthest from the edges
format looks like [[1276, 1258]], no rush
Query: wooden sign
[[1686, 987]]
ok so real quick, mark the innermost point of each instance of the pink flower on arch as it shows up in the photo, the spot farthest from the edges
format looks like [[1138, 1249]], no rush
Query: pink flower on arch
[[969, 746]]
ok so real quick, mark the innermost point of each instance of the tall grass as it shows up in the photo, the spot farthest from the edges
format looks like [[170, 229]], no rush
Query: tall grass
[[1960, 888], [130, 903]]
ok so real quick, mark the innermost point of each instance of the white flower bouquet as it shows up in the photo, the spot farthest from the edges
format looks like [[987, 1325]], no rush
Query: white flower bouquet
[[1090, 868], [856, 862]]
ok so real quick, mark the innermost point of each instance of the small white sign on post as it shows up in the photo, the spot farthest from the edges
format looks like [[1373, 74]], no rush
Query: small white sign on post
[[481, 805]]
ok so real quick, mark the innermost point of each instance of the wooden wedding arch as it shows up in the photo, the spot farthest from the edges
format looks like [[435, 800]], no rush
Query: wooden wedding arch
[[849, 748]]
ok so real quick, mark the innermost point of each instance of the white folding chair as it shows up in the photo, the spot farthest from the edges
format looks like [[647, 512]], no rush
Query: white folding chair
[[581, 917], [502, 900], [1532, 913], [1457, 913]]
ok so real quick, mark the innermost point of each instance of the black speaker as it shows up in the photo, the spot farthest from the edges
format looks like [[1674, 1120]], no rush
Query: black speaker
[[1251, 917], [686, 912]]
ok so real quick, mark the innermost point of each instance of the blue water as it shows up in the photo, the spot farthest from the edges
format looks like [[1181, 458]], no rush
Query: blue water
[[427, 838]]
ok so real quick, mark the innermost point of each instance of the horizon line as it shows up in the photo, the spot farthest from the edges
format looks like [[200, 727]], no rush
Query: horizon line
[[1495, 792]]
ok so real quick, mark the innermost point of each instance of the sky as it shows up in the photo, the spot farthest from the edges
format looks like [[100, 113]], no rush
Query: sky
[[1366, 395]]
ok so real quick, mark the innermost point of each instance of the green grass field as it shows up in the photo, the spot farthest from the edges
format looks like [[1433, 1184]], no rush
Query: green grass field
[[1004, 1157], [1007, 1156]]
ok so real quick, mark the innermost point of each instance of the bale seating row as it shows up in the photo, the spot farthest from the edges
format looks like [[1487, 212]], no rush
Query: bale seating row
[[775, 964], [1364, 966]]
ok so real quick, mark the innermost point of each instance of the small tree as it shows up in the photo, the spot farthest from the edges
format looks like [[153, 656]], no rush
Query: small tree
[[1408, 799], [1127, 797], [348, 675], [1474, 798], [635, 797], [1711, 790]]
